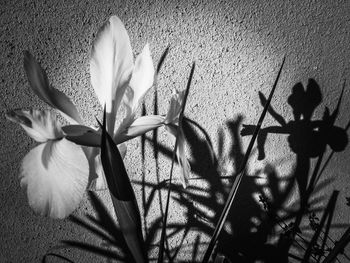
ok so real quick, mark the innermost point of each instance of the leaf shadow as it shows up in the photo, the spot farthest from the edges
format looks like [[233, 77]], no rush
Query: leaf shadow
[[251, 224], [259, 212]]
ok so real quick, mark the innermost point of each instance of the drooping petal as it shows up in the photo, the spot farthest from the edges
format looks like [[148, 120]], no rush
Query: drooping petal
[[110, 66], [180, 153], [175, 107], [55, 175], [41, 125], [40, 85], [141, 80], [133, 128]]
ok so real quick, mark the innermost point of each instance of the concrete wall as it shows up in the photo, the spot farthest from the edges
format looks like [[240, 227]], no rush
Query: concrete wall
[[238, 47]]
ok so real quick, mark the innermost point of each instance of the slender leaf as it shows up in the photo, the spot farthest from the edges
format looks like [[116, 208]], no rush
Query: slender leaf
[[56, 256], [339, 247], [93, 249], [162, 58], [93, 229], [239, 177], [122, 195], [105, 220], [327, 213], [163, 234], [196, 248]]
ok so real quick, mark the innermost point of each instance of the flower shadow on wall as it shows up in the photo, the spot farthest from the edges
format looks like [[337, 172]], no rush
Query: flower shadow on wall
[[252, 224], [308, 139]]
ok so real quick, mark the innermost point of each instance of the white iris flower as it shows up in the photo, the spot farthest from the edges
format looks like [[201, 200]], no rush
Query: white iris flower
[[57, 172]]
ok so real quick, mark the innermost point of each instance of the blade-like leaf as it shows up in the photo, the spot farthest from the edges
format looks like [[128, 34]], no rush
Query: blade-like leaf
[[106, 220], [327, 213], [162, 58], [56, 256], [163, 234], [93, 249], [239, 177], [93, 229], [40, 85], [123, 196], [339, 247]]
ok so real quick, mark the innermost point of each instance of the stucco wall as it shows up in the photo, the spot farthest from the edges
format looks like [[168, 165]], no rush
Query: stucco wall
[[238, 47]]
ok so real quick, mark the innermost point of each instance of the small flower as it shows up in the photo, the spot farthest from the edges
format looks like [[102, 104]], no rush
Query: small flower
[[58, 171], [175, 128]]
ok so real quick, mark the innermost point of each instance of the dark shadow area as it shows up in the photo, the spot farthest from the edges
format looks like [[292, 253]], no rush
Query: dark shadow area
[[252, 223], [260, 227], [308, 139]]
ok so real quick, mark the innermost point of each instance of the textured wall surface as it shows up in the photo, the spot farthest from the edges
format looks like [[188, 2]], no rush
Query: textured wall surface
[[238, 47]]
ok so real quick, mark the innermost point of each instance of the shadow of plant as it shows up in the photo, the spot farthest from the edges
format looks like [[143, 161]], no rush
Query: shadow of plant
[[260, 228], [308, 139]]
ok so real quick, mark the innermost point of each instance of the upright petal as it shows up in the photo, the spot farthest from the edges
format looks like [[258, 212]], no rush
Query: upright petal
[[40, 85], [41, 125], [55, 175], [141, 80], [175, 107], [110, 66]]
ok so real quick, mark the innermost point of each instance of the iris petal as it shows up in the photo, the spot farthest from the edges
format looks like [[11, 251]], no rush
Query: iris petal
[[175, 107], [41, 125], [40, 85], [141, 80], [55, 175], [110, 66], [130, 129]]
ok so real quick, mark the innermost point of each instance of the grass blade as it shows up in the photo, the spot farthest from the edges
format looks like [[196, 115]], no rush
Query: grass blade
[[163, 234], [93, 229], [56, 256], [327, 213], [239, 177], [122, 194], [105, 220], [161, 60], [339, 247], [104, 252]]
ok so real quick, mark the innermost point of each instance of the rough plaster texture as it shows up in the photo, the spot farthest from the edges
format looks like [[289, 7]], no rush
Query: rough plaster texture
[[237, 45]]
